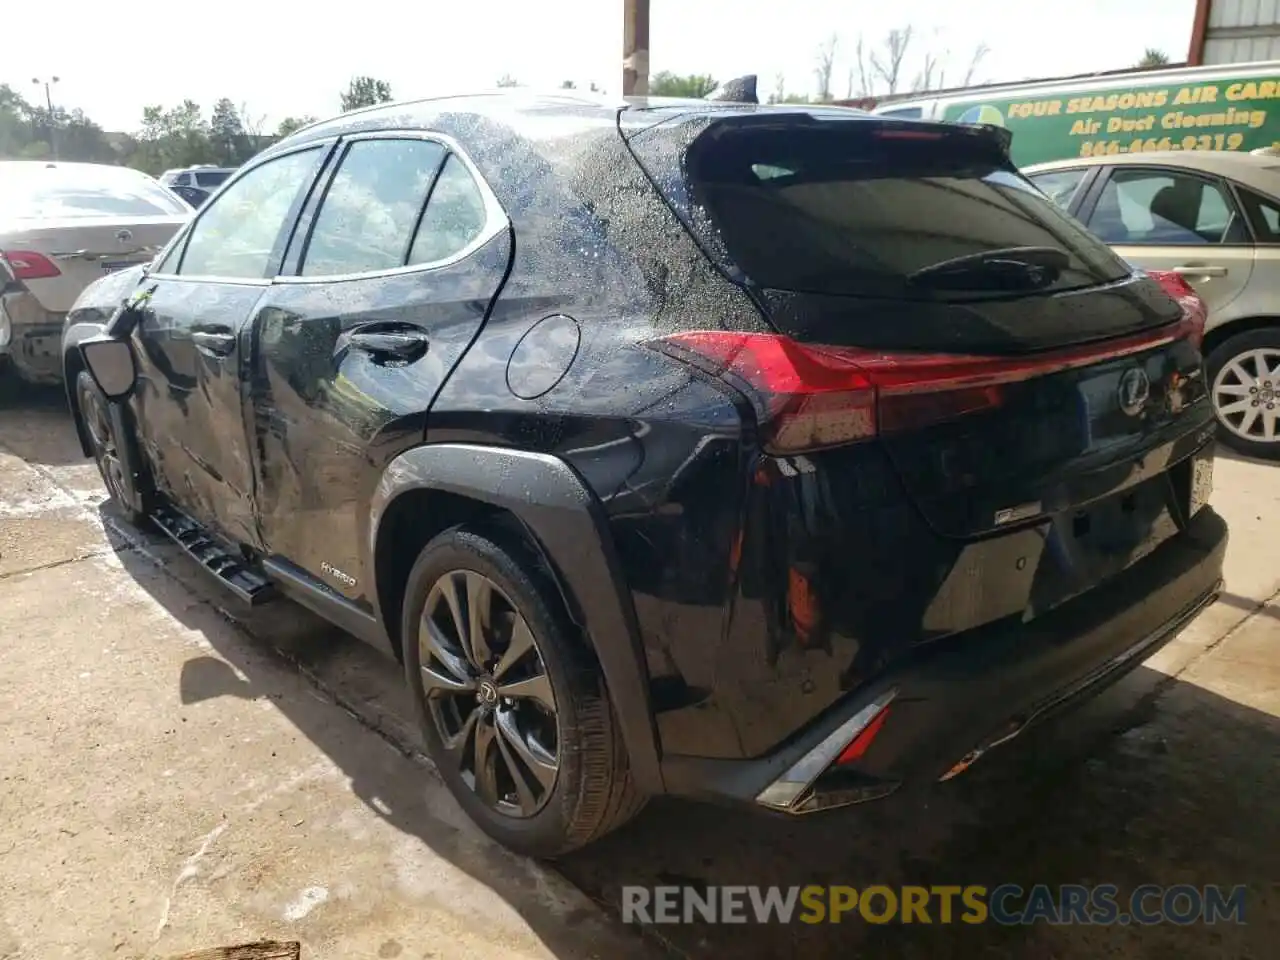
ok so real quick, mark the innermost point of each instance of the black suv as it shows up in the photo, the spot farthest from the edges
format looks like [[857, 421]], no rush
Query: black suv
[[785, 455]]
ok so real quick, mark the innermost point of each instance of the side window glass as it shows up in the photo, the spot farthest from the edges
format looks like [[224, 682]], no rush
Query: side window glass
[[237, 236], [170, 261], [1060, 186], [1164, 209], [1265, 215], [454, 217], [367, 218]]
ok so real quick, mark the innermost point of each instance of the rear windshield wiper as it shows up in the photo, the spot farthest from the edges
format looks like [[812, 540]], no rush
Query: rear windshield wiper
[[1008, 268]]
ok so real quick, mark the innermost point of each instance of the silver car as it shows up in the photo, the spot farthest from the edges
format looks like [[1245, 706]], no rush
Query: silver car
[[62, 226], [1214, 218]]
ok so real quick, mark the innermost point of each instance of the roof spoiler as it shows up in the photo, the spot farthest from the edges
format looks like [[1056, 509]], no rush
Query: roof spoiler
[[738, 90]]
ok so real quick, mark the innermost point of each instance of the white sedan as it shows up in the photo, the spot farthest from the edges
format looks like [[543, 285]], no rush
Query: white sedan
[[62, 226]]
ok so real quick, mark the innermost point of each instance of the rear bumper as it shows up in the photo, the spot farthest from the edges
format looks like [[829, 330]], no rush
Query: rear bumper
[[31, 337], [954, 700]]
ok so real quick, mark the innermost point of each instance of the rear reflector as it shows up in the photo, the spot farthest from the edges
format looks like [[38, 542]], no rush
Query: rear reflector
[[29, 265], [1194, 310], [809, 396]]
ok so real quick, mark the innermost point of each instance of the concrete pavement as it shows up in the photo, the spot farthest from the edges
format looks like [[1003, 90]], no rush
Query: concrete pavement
[[183, 777], [170, 783]]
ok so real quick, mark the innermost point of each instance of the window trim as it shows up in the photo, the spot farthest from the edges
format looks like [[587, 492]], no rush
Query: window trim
[[326, 148], [1090, 206], [1078, 195], [496, 219], [1248, 207]]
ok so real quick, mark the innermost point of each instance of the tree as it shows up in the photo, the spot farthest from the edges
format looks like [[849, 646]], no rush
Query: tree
[[227, 137], [32, 132], [883, 69], [694, 86], [1151, 57], [507, 80], [79, 138], [826, 64], [365, 92], [887, 64], [568, 85], [178, 137], [289, 124]]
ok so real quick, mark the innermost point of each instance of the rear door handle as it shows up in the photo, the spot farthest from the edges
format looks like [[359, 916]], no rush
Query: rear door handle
[[404, 344], [216, 341], [1190, 270]]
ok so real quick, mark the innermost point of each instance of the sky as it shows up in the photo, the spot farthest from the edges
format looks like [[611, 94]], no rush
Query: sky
[[279, 58]]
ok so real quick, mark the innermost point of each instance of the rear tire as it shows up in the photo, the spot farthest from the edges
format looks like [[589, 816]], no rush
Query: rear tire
[[526, 742], [1243, 375], [94, 407]]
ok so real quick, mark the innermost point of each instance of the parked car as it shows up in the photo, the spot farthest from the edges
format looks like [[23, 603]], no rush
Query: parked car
[[204, 177], [782, 455], [1213, 218], [62, 225]]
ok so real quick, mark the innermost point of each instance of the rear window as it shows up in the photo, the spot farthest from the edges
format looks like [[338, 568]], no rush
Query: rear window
[[44, 192], [212, 178], [821, 209]]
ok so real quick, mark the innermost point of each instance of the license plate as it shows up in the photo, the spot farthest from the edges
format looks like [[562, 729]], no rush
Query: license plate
[[111, 266], [1201, 482]]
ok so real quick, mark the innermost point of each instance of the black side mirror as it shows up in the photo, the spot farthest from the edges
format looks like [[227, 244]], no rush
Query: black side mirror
[[111, 364]]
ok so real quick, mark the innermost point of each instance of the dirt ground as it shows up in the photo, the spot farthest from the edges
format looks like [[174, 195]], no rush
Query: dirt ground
[[179, 774]]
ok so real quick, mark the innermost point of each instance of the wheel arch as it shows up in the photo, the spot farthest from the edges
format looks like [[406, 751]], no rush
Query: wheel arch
[[430, 488], [1220, 334]]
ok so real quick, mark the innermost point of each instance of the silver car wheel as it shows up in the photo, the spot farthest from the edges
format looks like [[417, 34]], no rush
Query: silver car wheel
[[1246, 395]]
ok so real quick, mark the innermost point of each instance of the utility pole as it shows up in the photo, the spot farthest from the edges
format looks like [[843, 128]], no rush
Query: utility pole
[[48, 100], [635, 48]]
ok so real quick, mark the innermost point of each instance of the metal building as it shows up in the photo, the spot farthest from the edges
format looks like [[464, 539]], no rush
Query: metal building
[[1235, 31]]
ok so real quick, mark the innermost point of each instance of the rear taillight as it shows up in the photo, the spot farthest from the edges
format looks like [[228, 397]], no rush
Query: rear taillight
[[29, 265], [1194, 310], [809, 396]]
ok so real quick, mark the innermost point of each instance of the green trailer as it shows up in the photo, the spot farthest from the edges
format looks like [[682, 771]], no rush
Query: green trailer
[[1198, 108]]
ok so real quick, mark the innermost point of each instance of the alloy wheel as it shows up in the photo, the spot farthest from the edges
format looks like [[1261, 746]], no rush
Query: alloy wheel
[[488, 693], [1246, 395]]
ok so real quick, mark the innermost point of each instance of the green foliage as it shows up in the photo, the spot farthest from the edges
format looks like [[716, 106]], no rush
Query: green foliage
[[30, 132], [290, 124], [365, 92], [1152, 57], [228, 140], [667, 84]]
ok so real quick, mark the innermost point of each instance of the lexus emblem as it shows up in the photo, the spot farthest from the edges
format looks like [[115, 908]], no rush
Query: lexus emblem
[[124, 236], [1134, 391]]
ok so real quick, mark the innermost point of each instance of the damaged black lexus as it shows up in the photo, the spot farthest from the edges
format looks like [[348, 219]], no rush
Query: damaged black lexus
[[781, 455]]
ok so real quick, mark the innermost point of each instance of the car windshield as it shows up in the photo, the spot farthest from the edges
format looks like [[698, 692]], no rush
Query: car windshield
[[73, 192]]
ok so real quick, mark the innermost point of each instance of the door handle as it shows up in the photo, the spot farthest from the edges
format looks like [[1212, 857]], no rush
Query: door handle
[[1190, 270], [218, 342], [404, 345]]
